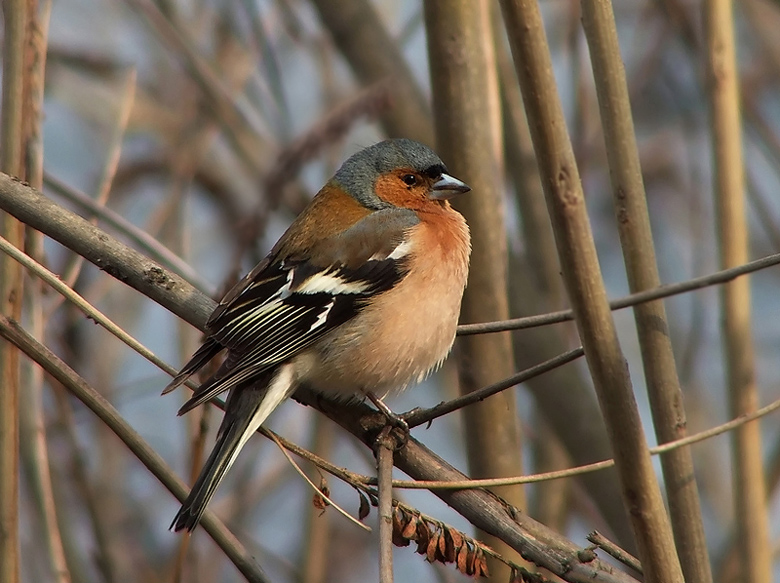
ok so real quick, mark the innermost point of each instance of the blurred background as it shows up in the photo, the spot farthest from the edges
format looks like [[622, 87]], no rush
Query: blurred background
[[209, 125]]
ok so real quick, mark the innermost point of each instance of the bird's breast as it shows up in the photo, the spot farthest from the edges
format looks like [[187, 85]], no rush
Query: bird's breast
[[405, 332]]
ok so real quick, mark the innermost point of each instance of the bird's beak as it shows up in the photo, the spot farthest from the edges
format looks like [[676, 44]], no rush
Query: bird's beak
[[448, 186]]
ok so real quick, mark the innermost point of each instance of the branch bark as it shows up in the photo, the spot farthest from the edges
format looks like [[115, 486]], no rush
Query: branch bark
[[467, 115], [723, 91], [636, 238], [585, 287], [532, 540], [11, 161]]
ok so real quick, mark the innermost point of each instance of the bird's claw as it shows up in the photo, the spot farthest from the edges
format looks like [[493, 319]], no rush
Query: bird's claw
[[394, 421]]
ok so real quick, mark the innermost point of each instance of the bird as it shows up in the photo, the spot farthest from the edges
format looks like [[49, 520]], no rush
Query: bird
[[360, 297]]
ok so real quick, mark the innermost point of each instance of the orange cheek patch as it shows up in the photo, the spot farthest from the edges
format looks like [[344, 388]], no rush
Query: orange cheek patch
[[390, 189]]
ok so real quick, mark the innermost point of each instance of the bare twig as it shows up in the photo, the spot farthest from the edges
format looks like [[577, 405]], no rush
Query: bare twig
[[615, 551], [319, 491], [585, 287], [384, 463], [748, 477], [11, 161], [13, 333], [419, 417], [636, 238], [664, 291]]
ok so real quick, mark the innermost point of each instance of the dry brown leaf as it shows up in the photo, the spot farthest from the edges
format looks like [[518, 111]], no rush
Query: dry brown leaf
[[441, 549], [462, 559], [410, 530], [319, 502], [423, 536], [457, 538], [449, 551], [480, 565], [433, 544]]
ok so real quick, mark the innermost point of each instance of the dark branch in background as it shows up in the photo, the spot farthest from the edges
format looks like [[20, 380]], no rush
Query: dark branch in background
[[373, 54], [534, 541], [369, 103]]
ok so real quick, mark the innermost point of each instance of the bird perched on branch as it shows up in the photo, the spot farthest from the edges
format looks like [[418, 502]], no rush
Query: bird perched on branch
[[360, 296]]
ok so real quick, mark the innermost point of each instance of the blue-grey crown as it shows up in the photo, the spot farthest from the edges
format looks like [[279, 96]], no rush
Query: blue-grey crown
[[359, 173]]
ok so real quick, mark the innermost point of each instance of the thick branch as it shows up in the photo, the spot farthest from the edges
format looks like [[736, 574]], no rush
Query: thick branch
[[532, 540]]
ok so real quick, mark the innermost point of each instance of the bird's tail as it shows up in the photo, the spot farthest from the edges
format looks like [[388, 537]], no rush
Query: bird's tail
[[247, 407]]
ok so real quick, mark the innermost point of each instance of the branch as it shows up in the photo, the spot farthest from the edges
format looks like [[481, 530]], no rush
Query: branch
[[532, 540], [664, 291], [52, 364]]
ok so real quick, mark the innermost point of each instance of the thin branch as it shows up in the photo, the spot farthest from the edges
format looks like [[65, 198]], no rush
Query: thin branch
[[419, 417], [384, 462], [587, 294], [52, 364], [319, 492], [733, 238], [664, 291], [615, 551]]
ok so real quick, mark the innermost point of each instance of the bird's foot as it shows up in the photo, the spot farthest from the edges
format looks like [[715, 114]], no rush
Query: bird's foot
[[393, 420]]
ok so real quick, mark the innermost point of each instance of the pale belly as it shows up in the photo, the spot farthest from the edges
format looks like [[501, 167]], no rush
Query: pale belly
[[382, 356], [403, 335]]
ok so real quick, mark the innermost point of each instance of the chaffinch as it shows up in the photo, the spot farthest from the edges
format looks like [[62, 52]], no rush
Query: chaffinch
[[361, 295]]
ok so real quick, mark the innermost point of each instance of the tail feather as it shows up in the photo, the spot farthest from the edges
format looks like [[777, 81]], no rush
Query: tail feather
[[226, 377], [247, 408], [205, 353]]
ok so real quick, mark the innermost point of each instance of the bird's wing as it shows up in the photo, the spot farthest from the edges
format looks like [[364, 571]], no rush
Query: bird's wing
[[287, 303]]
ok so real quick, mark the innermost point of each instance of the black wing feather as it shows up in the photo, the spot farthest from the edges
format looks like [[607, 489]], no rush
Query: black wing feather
[[272, 317]]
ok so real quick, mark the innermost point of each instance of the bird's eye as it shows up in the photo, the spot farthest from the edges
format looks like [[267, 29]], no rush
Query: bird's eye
[[409, 179]]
